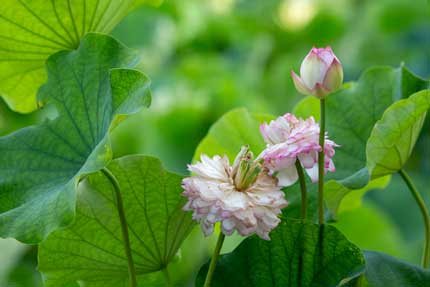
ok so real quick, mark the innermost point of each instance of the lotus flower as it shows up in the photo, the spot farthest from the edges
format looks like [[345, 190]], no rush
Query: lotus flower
[[289, 138], [243, 197], [321, 73]]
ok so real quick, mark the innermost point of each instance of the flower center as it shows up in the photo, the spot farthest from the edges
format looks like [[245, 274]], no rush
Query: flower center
[[245, 169]]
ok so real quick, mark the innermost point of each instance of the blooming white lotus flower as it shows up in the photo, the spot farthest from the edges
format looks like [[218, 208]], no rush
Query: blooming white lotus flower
[[289, 138], [321, 73], [243, 197]]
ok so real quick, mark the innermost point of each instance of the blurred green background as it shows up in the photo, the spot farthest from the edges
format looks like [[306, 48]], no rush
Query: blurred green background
[[206, 57]]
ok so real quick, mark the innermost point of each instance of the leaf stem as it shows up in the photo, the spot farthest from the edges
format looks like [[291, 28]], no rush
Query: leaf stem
[[321, 164], [167, 277], [124, 226], [425, 214], [302, 189], [215, 256]]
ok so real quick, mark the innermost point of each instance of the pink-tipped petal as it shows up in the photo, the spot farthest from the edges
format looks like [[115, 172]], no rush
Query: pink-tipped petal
[[326, 54], [300, 85], [334, 77]]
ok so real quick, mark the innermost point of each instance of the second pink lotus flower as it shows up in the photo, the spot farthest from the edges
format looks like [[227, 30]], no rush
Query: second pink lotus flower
[[289, 138]]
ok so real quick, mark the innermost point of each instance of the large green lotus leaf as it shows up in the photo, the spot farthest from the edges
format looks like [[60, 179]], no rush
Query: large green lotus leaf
[[394, 136], [32, 30], [383, 270], [91, 250], [351, 114], [298, 254], [41, 165]]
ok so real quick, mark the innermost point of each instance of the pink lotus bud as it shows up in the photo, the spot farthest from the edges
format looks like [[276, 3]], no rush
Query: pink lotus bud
[[321, 73]]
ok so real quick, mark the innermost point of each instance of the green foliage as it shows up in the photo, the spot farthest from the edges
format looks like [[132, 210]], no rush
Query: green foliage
[[383, 270], [298, 254], [41, 165], [394, 136], [91, 250], [207, 57], [32, 30]]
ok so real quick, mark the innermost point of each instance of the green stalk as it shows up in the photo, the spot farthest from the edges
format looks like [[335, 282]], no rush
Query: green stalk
[[167, 277], [302, 189], [321, 164], [124, 228], [424, 212], [215, 256]]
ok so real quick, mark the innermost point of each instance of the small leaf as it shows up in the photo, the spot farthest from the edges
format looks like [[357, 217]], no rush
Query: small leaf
[[91, 250], [32, 30], [394, 136], [383, 270], [41, 165], [298, 254]]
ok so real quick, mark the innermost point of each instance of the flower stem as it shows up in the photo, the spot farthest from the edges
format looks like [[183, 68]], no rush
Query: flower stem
[[124, 228], [215, 256], [425, 214], [321, 164], [302, 189]]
